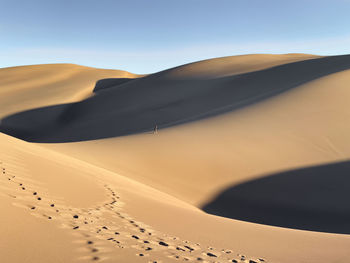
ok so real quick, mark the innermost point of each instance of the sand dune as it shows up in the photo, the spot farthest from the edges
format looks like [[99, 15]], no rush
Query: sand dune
[[196, 161], [268, 150], [60, 209], [26, 87], [167, 98]]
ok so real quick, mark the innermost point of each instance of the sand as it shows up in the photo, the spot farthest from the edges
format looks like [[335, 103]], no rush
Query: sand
[[26, 87], [272, 172]]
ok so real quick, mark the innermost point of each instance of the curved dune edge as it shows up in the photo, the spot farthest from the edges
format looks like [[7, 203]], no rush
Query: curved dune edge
[[233, 65], [313, 198], [112, 221]]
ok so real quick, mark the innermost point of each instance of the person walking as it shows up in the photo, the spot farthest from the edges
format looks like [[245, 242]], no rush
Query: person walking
[[155, 130]]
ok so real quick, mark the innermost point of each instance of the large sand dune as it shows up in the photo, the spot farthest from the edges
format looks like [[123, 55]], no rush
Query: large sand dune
[[166, 98], [267, 143]]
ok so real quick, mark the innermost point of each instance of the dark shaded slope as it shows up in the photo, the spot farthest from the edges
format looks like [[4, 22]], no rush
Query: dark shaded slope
[[314, 198], [162, 99], [104, 84]]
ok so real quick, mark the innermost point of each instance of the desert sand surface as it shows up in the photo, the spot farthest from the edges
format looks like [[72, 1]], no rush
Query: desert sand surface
[[249, 162], [27, 87]]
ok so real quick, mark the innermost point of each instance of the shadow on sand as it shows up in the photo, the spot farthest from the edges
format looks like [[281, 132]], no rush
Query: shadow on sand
[[122, 107], [314, 198], [103, 84]]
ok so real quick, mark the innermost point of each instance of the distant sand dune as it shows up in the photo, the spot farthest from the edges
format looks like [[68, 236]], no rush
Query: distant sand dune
[[26, 87], [165, 100]]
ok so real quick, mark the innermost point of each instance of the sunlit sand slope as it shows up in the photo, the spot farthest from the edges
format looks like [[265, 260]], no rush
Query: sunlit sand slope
[[27, 87], [59, 209]]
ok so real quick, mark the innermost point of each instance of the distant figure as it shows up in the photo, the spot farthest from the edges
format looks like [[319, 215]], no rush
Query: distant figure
[[155, 130]]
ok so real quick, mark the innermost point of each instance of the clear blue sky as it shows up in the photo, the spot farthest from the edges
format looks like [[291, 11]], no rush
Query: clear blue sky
[[150, 35]]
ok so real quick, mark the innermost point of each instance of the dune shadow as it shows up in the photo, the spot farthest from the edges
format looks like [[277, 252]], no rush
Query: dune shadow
[[123, 106], [103, 84], [315, 198]]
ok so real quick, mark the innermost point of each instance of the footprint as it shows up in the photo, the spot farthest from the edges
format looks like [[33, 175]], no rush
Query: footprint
[[163, 244], [189, 248], [211, 255]]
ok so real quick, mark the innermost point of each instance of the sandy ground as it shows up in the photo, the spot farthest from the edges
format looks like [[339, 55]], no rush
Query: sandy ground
[[27, 87], [138, 198], [60, 209]]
